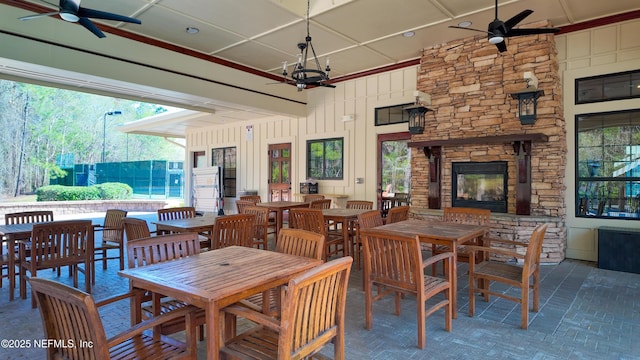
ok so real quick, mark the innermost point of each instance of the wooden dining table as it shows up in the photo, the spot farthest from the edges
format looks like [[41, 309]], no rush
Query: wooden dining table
[[214, 279], [200, 224], [345, 217], [443, 233], [279, 207]]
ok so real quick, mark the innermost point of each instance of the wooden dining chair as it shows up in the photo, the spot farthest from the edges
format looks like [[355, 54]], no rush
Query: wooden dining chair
[[313, 220], [112, 231], [463, 215], [232, 230], [175, 213], [312, 316], [262, 226], [359, 204], [524, 277], [56, 244], [25, 217], [157, 249], [366, 220], [296, 242], [135, 229], [320, 204], [243, 204], [253, 198], [28, 217], [69, 314], [394, 264], [398, 213]]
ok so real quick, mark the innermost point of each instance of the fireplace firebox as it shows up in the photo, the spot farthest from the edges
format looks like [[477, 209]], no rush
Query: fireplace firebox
[[480, 185]]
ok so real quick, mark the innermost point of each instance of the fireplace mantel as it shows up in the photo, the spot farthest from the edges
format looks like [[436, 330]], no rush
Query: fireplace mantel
[[522, 146], [498, 139]]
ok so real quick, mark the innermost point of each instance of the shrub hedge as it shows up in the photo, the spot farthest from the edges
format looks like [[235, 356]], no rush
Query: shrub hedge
[[105, 191]]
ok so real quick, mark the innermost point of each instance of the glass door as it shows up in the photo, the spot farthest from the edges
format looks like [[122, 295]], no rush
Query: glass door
[[394, 168], [280, 172]]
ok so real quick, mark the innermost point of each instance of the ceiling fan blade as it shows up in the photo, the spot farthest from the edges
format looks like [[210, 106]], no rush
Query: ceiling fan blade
[[97, 14], [29, 17], [502, 46], [468, 28], [516, 19], [522, 32], [91, 27]]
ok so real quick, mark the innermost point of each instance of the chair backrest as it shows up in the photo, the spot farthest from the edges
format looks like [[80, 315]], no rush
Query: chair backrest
[[400, 199], [253, 198], [113, 225], [465, 215], [360, 204], [308, 219], [392, 259], [261, 224], [175, 213], [313, 310], [312, 197], [370, 219], [398, 213], [243, 204], [28, 217], [232, 230], [301, 243], [135, 228], [157, 249], [320, 204], [534, 248], [61, 242], [69, 314]]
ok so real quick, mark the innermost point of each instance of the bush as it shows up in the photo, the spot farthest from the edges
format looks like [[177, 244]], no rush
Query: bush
[[115, 191], [106, 191]]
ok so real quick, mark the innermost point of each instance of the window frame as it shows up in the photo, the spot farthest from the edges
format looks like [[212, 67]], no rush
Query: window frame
[[633, 76], [586, 173], [324, 141], [379, 114]]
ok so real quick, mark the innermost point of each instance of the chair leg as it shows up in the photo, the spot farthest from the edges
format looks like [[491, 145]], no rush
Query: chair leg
[[422, 322], [524, 304], [472, 296]]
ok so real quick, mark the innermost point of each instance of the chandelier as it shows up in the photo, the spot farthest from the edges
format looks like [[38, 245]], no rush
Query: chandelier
[[302, 75]]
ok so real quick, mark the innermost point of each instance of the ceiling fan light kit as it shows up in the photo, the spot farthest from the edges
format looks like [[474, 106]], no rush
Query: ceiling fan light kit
[[499, 30], [71, 11]]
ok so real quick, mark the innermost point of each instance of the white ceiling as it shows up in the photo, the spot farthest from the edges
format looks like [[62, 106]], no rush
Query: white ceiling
[[357, 35]]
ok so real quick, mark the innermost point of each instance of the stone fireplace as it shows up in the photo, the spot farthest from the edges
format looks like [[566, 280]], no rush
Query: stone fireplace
[[475, 121]]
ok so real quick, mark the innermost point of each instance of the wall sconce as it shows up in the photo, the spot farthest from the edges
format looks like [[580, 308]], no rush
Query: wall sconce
[[417, 113], [528, 100]]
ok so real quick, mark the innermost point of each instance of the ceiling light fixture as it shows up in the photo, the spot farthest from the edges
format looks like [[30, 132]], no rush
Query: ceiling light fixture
[[408, 34], [302, 75], [192, 30], [465, 24]]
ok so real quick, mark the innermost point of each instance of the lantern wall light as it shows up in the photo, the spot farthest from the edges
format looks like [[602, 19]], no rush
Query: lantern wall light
[[417, 112], [528, 100]]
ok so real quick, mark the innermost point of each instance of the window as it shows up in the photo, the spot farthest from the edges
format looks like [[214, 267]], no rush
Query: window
[[618, 86], [325, 159], [608, 164], [226, 157], [391, 115]]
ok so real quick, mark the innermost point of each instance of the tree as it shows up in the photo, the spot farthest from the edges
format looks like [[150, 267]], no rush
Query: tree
[[63, 122]]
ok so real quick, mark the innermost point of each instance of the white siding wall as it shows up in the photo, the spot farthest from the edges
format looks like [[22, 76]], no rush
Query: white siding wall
[[598, 51], [326, 108]]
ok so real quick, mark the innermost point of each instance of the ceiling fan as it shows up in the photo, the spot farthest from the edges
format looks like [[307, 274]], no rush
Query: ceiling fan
[[499, 30], [71, 11]]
